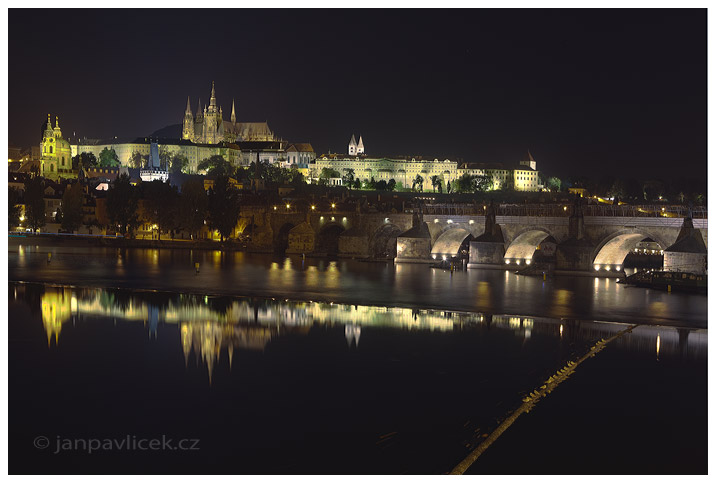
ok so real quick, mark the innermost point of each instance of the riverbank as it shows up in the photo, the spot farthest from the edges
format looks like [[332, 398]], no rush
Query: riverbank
[[82, 240]]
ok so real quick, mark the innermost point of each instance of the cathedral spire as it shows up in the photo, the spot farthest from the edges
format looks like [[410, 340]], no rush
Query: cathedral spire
[[189, 109], [213, 98], [234, 116], [199, 105]]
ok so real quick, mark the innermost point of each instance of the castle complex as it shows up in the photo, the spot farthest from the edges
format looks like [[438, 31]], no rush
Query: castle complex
[[206, 133], [209, 126]]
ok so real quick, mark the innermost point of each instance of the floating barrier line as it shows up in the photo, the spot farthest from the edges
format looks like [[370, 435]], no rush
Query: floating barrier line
[[533, 398]]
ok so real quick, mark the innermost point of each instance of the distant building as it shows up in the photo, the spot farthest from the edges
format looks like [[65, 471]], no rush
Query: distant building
[[523, 177], [194, 152], [300, 154], [209, 127], [154, 171], [56, 153], [356, 148], [403, 171]]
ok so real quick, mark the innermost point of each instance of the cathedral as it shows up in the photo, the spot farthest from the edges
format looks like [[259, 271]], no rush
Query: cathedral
[[208, 126]]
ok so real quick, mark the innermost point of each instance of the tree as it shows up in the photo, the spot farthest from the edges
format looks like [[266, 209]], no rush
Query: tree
[[72, 202], [617, 190], [436, 182], [327, 173], [391, 185], [381, 185], [348, 178], [633, 190], [193, 203], [553, 183], [35, 203], [165, 158], [296, 178], [483, 183], [357, 184], [160, 205], [84, 159], [465, 184], [179, 163], [223, 207], [122, 202], [14, 208], [217, 166], [418, 183], [138, 160], [108, 158]]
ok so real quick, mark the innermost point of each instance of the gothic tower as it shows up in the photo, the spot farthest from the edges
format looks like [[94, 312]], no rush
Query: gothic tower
[[360, 149], [352, 146], [199, 112], [188, 125], [234, 115]]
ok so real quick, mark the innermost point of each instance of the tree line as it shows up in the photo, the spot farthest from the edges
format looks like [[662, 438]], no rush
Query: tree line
[[128, 206]]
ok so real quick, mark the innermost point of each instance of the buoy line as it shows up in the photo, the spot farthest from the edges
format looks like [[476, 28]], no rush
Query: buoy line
[[532, 399]]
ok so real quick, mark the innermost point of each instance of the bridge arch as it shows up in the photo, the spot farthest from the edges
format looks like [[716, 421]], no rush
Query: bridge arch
[[612, 250], [524, 245], [327, 241], [383, 241], [449, 242], [281, 242]]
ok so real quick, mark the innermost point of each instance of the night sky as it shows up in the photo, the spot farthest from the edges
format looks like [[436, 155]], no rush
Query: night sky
[[587, 91]]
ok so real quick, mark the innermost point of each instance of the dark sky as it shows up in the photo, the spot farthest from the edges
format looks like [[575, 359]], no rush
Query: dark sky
[[587, 91]]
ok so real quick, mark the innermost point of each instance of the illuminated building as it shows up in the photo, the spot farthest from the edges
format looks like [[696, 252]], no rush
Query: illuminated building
[[524, 176], [208, 126], [300, 154], [356, 148], [56, 153], [401, 170]]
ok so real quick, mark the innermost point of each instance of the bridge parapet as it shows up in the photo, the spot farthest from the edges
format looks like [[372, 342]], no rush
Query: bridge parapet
[[563, 210]]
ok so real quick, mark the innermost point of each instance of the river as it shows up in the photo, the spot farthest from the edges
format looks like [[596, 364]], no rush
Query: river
[[292, 366], [355, 282]]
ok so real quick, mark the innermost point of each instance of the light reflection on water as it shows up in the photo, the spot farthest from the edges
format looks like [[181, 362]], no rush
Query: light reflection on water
[[351, 281], [212, 326]]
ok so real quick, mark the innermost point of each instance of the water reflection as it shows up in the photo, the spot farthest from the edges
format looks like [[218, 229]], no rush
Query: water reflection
[[210, 327]]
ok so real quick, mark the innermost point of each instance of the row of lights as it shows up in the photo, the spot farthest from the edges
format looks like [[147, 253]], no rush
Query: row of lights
[[435, 221], [647, 251], [313, 207], [597, 267], [517, 261]]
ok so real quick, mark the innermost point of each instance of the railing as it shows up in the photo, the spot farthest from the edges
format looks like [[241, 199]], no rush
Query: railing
[[564, 210]]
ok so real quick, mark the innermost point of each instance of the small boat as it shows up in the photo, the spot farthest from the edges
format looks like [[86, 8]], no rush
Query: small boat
[[668, 281]]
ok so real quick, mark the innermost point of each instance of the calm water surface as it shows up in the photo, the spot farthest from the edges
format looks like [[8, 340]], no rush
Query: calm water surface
[[354, 282], [276, 386]]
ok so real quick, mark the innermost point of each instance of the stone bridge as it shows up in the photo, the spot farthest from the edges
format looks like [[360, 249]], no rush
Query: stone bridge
[[605, 239]]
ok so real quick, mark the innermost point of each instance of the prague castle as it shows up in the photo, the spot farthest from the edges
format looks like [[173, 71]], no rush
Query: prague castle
[[209, 127]]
